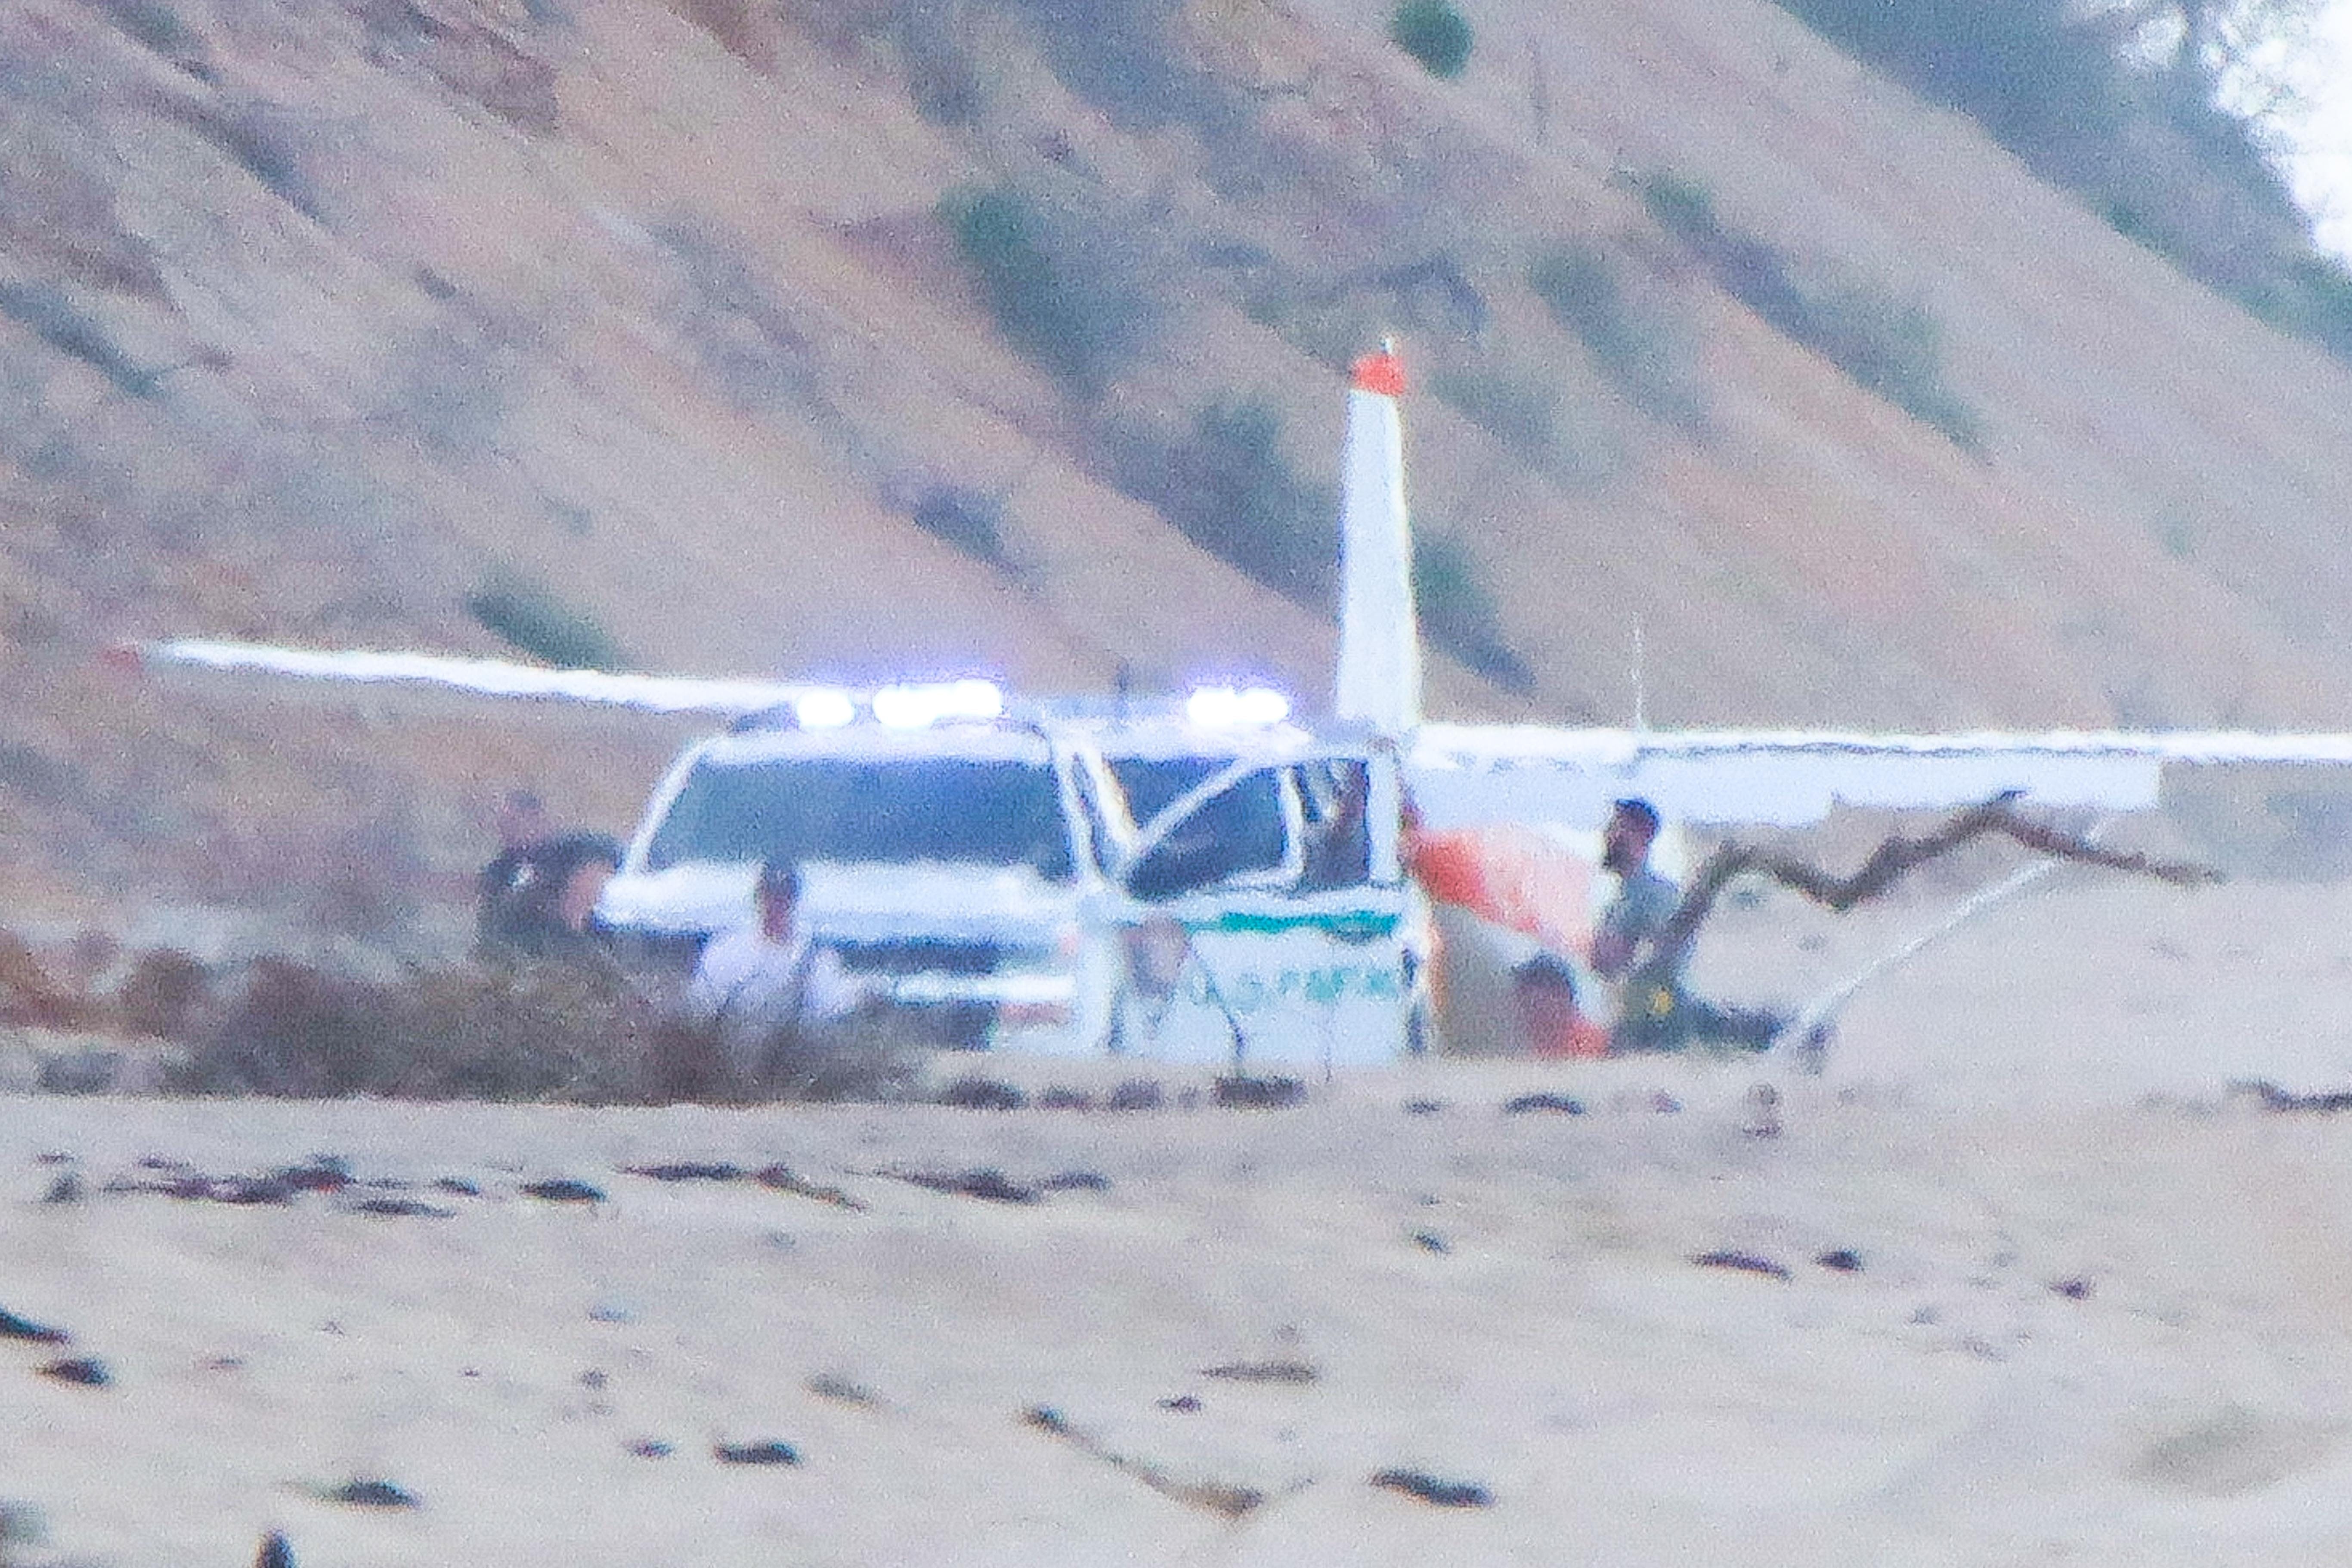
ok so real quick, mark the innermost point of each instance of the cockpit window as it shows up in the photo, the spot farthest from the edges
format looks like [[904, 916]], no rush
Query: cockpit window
[[896, 810]]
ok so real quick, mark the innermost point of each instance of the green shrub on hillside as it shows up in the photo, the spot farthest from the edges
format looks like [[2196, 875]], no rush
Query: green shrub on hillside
[[1519, 411], [2038, 73], [741, 331], [1893, 347], [1634, 349], [531, 620], [937, 65], [1434, 32], [270, 144], [970, 520], [1457, 610], [1057, 282], [157, 27], [1123, 56], [45, 311], [1886, 346], [1228, 486], [1137, 63], [1682, 206], [2312, 299]]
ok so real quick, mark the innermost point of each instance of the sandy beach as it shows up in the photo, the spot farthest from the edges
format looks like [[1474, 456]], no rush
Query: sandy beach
[[2020, 1278]]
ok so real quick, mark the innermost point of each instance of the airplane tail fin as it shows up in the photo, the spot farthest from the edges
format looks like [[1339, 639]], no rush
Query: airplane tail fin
[[1379, 638]]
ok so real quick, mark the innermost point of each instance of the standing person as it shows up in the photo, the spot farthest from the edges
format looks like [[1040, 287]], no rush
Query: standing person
[[767, 993], [1654, 1012], [1645, 901]]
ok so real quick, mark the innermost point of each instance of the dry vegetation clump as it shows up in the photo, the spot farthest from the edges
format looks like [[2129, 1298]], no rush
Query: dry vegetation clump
[[857, 1058], [532, 1031], [22, 1530], [564, 1032], [164, 995], [1230, 487], [30, 995], [1518, 409]]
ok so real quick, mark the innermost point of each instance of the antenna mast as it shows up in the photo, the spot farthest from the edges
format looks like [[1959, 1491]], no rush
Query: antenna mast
[[1641, 682]]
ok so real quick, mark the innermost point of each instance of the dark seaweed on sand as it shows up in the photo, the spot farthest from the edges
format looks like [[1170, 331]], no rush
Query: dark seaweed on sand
[[987, 1182], [563, 1190], [779, 1178], [13, 1327], [1280, 1371], [767, 1453], [687, 1171], [847, 1390], [401, 1208], [319, 1173], [1743, 1263], [1564, 1104], [1434, 1491], [976, 1093], [1136, 1094], [88, 1372], [1241, 1092]]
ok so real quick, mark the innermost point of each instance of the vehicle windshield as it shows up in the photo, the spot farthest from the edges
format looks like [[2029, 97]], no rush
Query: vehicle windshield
[[1237, 832], [1152, 783], [898, 810]]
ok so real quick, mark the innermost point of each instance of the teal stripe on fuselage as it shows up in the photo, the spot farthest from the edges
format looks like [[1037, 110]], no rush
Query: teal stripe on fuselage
[[1346, 925]]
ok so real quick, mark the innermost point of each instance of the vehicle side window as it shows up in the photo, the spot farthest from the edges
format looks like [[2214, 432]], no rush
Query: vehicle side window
[[1237, 833]]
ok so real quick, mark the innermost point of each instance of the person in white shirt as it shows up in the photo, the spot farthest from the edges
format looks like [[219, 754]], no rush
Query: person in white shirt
[[761, 988]]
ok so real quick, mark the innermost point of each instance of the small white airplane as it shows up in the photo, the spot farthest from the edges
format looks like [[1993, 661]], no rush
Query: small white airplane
[[1271, 958]]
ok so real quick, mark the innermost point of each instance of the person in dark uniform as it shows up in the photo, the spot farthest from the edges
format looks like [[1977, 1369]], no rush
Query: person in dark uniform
[[537, 897]]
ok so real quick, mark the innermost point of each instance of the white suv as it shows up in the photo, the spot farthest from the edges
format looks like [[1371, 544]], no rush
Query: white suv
[[1153, 887]]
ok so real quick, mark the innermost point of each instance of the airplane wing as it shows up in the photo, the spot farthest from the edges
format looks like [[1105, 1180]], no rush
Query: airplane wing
[[489, 677], [1464, 773]]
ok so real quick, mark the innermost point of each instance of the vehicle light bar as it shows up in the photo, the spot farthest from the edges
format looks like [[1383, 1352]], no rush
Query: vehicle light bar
[[911, 707], [1226, 706], [824, 708]]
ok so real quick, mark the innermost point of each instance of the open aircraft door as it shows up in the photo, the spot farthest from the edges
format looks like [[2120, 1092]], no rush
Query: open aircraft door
[[1264, 920]]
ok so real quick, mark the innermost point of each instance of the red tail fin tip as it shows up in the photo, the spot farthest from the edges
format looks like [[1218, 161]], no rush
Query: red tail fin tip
[[1382, 372]]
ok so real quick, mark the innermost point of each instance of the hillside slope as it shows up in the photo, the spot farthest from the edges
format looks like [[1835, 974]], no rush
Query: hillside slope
[[319, 317]]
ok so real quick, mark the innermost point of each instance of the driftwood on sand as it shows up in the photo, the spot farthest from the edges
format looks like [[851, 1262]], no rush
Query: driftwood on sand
[[1898, 856]]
